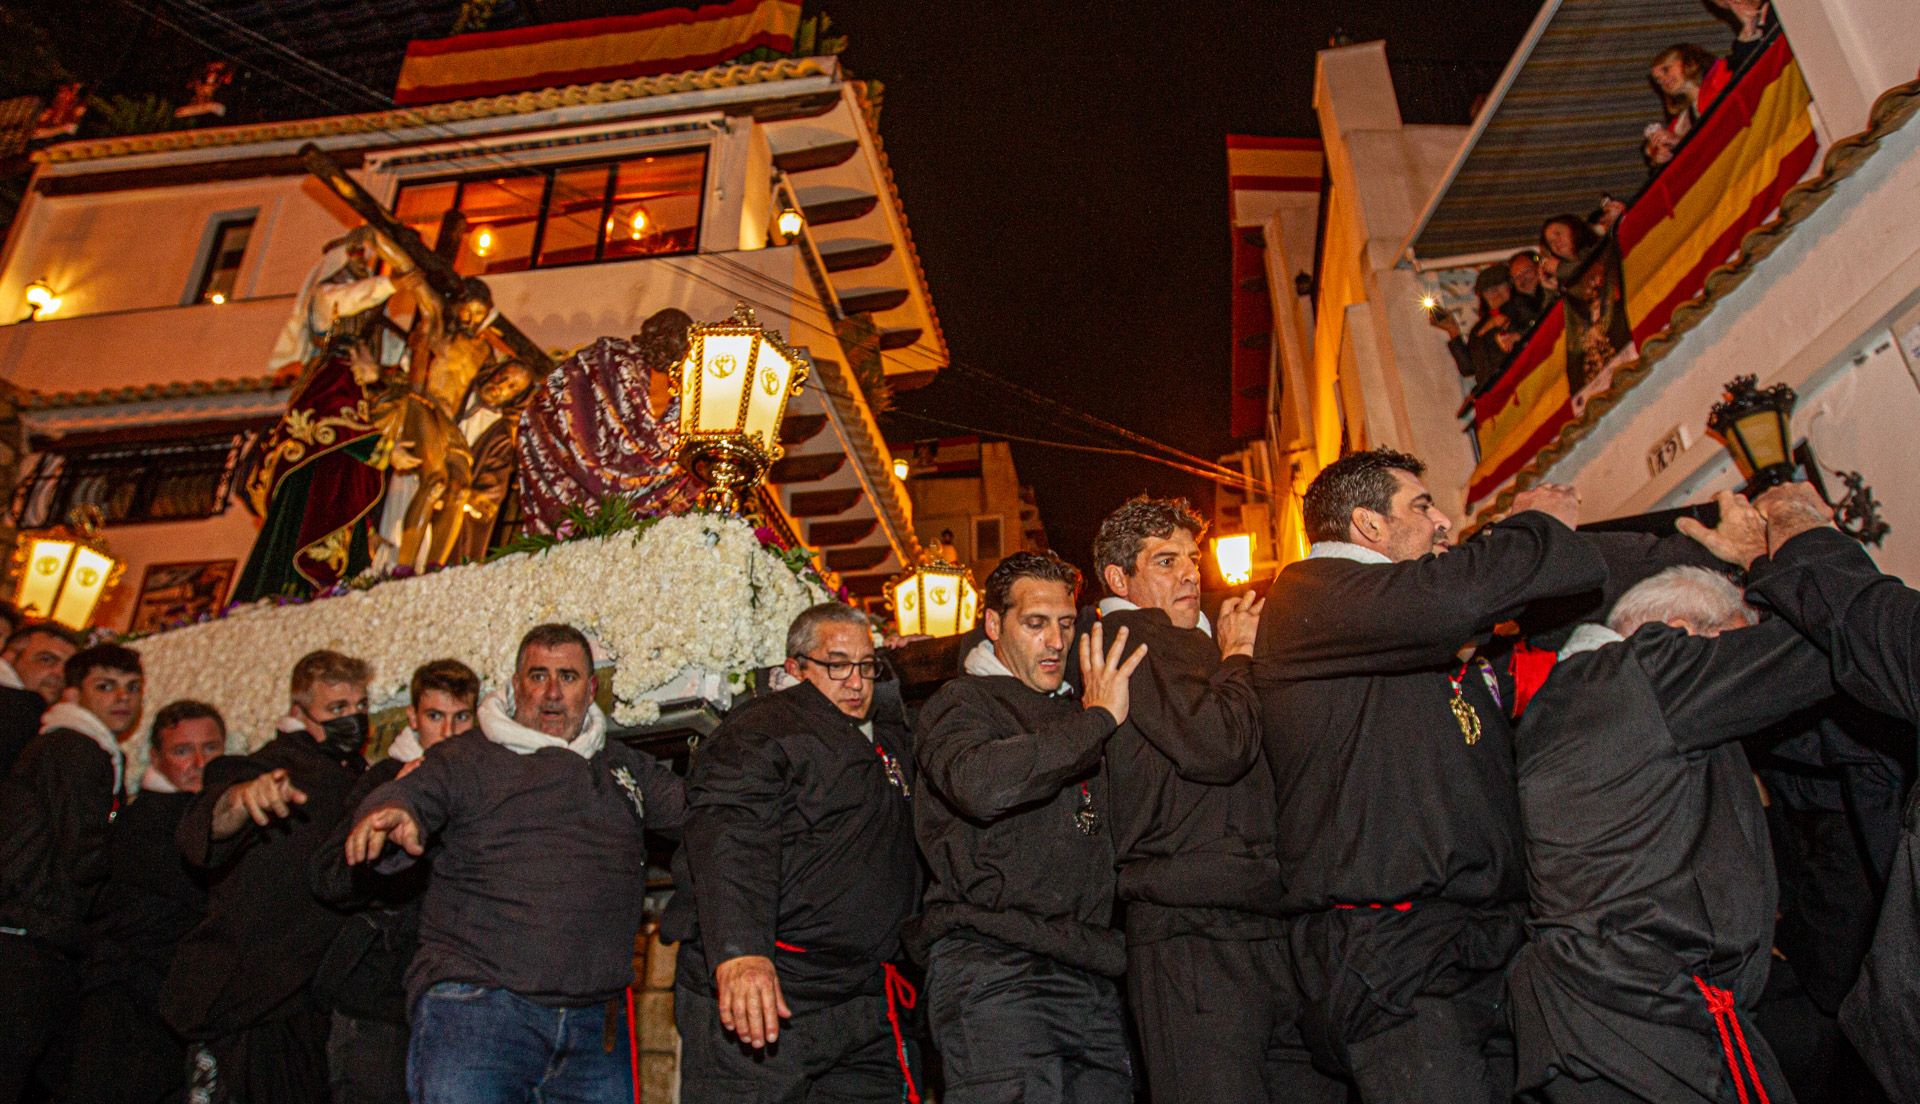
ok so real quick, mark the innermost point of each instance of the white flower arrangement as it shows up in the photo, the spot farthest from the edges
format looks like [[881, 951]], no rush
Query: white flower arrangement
[[693, 600]]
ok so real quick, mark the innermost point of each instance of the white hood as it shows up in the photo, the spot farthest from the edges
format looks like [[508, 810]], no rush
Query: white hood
[[496, 721]]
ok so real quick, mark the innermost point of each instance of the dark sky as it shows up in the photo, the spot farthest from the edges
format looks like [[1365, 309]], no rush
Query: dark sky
[[1064, 172], [1063, 168]]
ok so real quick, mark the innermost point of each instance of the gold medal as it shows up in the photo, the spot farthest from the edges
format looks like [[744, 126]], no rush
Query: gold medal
[[1469, 720]]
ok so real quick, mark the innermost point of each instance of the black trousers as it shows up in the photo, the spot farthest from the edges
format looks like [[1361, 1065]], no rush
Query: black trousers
[[39, 988], [282, 1061], [126, 1053], [1217, 1023], [842, 1053], [1409, 1004], [367, 1060], [1013, 1026]]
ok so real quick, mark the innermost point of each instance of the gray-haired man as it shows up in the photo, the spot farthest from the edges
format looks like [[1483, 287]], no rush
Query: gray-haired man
[[1649, 869], [797, 872]]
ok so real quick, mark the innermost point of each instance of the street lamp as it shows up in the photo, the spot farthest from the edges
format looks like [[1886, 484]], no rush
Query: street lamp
[[733, 385], [1756, 426], [41, 301], [1233, 554], [790, 223], [934, 599], [65, 571]]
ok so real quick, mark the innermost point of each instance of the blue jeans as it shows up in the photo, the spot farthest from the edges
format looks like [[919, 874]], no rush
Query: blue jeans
[[475, 1045]]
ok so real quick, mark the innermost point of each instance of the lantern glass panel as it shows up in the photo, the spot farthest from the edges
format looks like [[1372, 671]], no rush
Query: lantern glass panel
[[906, 606], [942, 592], [969, 605], [1763, 438], [85, 583], [726, 362], [1233, 554], [40, 576], [772, 376]]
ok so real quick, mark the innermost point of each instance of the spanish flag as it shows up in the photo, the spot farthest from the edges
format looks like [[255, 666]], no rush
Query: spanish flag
[[1727, 181], [586, 51]]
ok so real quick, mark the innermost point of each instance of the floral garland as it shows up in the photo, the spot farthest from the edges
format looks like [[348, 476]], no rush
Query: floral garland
[[662, 598]]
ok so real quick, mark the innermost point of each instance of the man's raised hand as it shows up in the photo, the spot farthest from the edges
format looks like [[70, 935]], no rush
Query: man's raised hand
[[1104, 673], [1740, 536], [1556, 500], [747, 989], [371, 835], [263, 800], [1238, 624], [1791, 509]]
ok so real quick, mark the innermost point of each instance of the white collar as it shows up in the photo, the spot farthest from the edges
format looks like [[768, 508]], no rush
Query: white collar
[[10, 677], [1342, 550], [496, 721], [1589, 636], [406, 746], [152, 781], [983, 660], [1113, 603], [78, 718]]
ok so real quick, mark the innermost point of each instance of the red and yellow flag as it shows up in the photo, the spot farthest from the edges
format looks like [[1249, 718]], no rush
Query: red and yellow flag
[[1727, 181], [491, 63]]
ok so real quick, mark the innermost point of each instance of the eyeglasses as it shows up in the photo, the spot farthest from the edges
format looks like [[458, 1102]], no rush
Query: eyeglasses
[[840, 670]]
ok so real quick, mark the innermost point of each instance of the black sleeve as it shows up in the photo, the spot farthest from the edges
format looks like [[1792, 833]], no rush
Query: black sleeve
[[430, 793], [330, 879], [195, 834], [665, 794], [1713, 689], [1462, 358], [1367, 619], [736, 795], [986, 772], [1209, 727], [1631, 558], [78, 798], [1866, 621]]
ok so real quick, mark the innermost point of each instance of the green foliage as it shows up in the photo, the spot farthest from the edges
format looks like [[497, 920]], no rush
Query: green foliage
[[111, 116], [609, 516]]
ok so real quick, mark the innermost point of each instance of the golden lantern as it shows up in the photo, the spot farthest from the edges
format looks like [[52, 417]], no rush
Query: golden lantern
[[65, 571], [1233, 555], [1757, 428], [934, 599], [790, 223], [41, 301], [733, 385]]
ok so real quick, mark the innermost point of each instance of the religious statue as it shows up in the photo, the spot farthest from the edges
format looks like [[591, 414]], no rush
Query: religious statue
[[605, 426], [491, 427], [318, 480]]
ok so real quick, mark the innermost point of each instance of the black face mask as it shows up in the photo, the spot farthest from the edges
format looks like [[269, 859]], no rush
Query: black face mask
[[346, 735]]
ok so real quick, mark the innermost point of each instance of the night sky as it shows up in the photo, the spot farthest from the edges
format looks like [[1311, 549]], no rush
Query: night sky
[[1065, 178], [1063, 168]]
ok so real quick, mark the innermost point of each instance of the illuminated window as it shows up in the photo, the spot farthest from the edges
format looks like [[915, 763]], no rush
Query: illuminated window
[[221, 267], [572, 214]]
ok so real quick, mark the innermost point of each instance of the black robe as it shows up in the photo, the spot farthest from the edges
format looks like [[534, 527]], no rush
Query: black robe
[[252, 959], [56, 813], [1381, 799], [1868, 623], [798, 847], [1005, 770], [19, 723], [1648, 859], [1192, 804]]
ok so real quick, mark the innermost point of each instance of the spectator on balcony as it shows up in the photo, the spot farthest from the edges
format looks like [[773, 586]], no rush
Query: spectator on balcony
[[1658, 146], [1689, 79], [1754, 28], [1564, 239], [1481, 354], [1530, 299]]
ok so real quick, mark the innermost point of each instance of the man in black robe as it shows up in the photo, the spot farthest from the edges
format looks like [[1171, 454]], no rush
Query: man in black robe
[[241, 981], [362, 978], [33, 674], [1868, 624], [1399, 827], [796, 872], [1013, 819], [1649, 865], [57, 807], [1193, 828], [149, 901]]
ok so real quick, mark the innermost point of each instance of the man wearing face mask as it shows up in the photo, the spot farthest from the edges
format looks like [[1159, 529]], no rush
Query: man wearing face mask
[[1013, 819], [538, 822], [1399, 826], [363, 976], [241, 982], [151, 899]]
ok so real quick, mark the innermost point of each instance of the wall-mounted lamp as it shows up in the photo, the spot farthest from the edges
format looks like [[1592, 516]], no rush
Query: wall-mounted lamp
[[41, 301], [900, 467], [790, 222], [1756, 427]]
